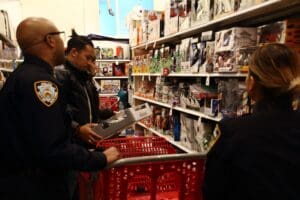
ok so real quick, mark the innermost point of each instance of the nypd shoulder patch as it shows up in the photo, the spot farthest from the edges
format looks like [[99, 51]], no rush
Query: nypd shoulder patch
[[46, 91]]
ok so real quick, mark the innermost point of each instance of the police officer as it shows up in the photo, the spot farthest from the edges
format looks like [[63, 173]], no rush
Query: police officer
[[257, 155], [35, 146]]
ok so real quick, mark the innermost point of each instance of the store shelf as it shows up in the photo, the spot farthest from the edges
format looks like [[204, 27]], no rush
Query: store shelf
[[113, 60], [111, 77], [195, 74], [108, 95], [11, 60], [6, 69], [255, 15], [187, 111], [168, 138], [152, 101], [196, 113]]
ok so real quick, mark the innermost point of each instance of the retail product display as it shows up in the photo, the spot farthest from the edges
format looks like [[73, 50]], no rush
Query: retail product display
[[202, 11], [109, 86], [113, 125], [197, 76]]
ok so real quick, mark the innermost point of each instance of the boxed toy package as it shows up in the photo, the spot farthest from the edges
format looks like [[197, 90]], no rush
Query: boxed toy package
[[184, 12], [113, 125], [286, 31], [109, 86], [202, 12], [171, 18], [224, 7], [234, 38]]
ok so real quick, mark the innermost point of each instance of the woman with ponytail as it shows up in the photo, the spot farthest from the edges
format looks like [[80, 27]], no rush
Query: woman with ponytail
[[257, 155]]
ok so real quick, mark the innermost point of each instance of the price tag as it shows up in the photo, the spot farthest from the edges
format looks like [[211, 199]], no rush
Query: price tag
[[207, 81], [146, 47], [143, 78]]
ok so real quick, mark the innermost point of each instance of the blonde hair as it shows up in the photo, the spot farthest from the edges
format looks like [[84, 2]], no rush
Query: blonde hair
[[276, 68]]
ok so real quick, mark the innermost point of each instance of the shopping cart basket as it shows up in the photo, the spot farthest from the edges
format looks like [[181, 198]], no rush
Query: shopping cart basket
[[149, 170]]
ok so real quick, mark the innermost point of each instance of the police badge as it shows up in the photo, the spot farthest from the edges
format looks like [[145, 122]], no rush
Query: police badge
[[46, 91]]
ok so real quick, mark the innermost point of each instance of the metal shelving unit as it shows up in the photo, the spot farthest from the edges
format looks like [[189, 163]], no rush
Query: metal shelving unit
[[169, 138], [6, 69], [184, 110], [242, 75], [255, 15], [111, 77]]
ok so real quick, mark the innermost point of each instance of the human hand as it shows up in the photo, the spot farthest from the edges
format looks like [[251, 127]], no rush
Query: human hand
[[112, 154], [86, 134]]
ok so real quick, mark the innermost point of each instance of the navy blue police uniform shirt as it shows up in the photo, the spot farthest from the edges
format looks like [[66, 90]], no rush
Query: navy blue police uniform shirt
[[35, 130]]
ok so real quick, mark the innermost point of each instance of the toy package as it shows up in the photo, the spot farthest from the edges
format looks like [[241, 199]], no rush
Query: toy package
[[243, 57], [224, 7], [113, 125], [110, 86], [230, 97], [197, 55], [107, 53], [234, 38], [202, 11], [184, 12], [105, 69], [185, 55], [171, 18], [286, 31], [210, 58], [225, 62]]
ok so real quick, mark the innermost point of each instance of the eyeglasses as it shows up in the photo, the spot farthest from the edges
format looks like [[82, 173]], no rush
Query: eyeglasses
[[45, 38], [55, 33]]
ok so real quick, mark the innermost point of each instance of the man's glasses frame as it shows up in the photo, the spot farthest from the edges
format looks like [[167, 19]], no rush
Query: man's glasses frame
[[45, 38]]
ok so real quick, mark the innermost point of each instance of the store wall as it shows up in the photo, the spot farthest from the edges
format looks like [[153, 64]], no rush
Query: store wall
[[83, 15]]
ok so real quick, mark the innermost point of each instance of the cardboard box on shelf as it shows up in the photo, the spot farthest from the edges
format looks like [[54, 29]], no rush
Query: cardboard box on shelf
[[110, 86], [224, 7], [171, 18], [202, 11], [184, 13], [234, 38], [286, 31]]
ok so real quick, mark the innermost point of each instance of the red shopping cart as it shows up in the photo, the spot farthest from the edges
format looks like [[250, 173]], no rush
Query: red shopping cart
[[144, 174]]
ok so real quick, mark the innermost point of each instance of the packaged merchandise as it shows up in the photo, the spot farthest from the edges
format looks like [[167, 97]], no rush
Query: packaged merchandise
[[185, 55], [184, 13], [110, 86], [154, 29], [118, 70], [171, 18], [198, 56], [106, 69], [113, 125], [202, 12], [286, 31], [224, 7], [210, 58], [107, 53], [230, 97], [225, 62], [234, 38], [243, 57], [187, 134]]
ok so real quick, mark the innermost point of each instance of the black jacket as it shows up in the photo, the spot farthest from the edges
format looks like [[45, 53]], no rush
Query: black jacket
[[35, 147], [80, 91], [256, 157]]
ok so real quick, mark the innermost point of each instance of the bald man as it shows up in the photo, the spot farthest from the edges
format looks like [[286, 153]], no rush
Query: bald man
[[35, 147]]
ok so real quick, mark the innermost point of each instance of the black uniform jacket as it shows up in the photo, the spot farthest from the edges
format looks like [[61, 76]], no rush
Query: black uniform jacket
[[35, 146], [256, 157], [81, 95]]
